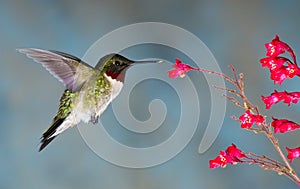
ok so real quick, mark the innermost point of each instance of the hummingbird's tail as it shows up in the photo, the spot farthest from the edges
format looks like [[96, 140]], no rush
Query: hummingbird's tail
[[61, 121], [48, 135]]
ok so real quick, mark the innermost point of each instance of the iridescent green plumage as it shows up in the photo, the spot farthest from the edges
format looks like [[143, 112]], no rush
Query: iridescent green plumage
[[66, 104], [65, 108]]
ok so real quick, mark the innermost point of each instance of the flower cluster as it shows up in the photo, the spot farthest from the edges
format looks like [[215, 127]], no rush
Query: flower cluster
[[232, 155], [281, 68], [248, 119]]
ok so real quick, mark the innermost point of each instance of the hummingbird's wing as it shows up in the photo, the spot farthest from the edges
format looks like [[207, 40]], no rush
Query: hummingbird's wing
[[69, 70]]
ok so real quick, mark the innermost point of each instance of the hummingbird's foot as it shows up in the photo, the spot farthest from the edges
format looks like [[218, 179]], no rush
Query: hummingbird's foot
[[94, 119]]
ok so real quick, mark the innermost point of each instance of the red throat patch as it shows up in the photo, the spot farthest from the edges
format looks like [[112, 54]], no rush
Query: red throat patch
[[117, 76]]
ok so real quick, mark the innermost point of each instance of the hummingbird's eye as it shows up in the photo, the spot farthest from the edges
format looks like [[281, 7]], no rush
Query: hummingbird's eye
[[117, 63]]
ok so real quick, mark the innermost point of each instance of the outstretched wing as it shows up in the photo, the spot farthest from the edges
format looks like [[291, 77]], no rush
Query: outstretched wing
[[69, 70]]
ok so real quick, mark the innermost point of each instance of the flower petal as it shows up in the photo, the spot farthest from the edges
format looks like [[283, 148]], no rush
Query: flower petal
[[293, 153]]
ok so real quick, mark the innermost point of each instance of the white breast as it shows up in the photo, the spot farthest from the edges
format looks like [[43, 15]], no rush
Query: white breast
[[116, 86], [84, 114]]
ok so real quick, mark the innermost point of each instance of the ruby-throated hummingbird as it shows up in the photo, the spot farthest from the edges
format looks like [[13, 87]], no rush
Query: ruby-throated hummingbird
[[88, 90]]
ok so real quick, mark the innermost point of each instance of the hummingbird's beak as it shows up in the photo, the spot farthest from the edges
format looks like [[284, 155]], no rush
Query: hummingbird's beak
[[146, 61]]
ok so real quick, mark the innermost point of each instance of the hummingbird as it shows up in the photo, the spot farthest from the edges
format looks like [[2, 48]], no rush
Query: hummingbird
[[89, 90]]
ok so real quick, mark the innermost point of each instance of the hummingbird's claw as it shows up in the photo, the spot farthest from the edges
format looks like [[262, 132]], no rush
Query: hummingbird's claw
[[94, 119]]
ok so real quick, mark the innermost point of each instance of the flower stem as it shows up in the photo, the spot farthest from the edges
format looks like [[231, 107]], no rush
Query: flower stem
[[274, 141], [266, 129]]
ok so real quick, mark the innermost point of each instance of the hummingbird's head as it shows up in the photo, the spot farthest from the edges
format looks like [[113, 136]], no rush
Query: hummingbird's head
[[115, 65]]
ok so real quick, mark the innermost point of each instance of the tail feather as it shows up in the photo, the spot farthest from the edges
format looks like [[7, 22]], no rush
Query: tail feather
[[45, 142], [48, 134], [64, 111]]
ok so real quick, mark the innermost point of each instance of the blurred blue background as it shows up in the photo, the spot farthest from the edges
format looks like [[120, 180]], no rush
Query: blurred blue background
[[235, 32]]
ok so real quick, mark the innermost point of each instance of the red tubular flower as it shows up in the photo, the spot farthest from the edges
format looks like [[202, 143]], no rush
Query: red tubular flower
[[274, 98], [232, 155], [286, 97], [249, 119], [293, 153], [179, 69], [277, 47], [273, 62], [292, 70], [235, 153], [283, 125], [292, 97], [278, 75], [220, 161]]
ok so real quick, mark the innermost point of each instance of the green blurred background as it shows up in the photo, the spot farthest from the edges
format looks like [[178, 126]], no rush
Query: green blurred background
[[235, 32]]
